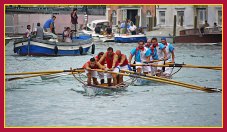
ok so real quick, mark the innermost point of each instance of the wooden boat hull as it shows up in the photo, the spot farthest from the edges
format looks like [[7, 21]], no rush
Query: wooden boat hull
[[206, 38], [38, 47], [195, 36], [98, 37], [94, 90], [129, 38]]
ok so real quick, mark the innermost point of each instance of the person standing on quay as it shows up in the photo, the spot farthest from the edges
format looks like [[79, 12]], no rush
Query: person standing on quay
[[74, 18]]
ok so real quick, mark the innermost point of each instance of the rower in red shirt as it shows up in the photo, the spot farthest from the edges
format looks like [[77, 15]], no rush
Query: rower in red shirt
[[112, 64], [100, 74], [123, 63], [92, 64]]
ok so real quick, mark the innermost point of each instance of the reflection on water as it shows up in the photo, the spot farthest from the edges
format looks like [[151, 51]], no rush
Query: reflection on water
[[61, 101]]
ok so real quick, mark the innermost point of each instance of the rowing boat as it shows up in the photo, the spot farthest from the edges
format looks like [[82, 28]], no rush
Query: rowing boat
[[103, 89]]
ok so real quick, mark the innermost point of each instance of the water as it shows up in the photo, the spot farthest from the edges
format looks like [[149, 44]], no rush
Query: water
[[50, 103]]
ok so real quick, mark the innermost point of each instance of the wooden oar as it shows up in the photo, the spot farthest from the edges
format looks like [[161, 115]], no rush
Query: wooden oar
[[170, 81], [36, 75], [163, 80], [181, 65], [53, 76], [47, 76], [42, 72]]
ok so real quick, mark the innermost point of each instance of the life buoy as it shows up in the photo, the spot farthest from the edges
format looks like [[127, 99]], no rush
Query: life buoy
[[55, 49], [81, 50], [93, 49]]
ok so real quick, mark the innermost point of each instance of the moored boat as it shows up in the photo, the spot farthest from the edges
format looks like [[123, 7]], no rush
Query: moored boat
[[90, 30], [210, 35], [38, 47], [125, 38], [8, 39]]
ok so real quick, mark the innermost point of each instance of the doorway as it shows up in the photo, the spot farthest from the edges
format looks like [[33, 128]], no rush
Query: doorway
[[131, 14]]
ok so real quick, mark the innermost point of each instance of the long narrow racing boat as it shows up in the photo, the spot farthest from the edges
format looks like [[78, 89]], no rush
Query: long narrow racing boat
[[103, 89]]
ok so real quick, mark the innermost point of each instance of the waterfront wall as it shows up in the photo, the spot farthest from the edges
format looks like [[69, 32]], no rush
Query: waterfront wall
[[17, 23]]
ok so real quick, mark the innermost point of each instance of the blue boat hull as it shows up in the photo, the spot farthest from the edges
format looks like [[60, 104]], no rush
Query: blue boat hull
[[129, 39], [45, 48]]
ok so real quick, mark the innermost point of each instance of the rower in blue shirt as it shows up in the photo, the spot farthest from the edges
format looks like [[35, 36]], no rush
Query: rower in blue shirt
[[142, 54]]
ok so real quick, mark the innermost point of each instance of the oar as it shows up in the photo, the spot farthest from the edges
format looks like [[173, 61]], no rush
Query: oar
[[170, 81], [42, 72], [36, 75], [52, 76], [44, 76], [181, 65], [164, 80]]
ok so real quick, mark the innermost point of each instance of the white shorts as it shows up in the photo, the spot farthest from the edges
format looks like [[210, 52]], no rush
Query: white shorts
[[144, 68], [153, 69], [168, 70], [160, 63], [101, 75], [93, 73], [116, 69], [124, 67], [47, 30]]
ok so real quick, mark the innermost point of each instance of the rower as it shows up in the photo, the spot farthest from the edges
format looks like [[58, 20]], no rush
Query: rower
[[100, 74], [92, 64], [153, 58], [123, 63], [161, 52], [112, 64], [148, 44], [170, 56], [141, 55]]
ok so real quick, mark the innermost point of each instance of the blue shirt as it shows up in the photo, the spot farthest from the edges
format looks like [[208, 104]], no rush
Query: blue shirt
[[171, 48], [161, 46], [48, 23], [137, 53], [123, 25], [153, 54]]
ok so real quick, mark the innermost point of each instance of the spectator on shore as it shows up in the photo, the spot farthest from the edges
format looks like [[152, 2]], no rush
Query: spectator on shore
[[204, 26], [74, 20], [98, 29], [109, 30], [49, 25], [39, 31], [215, 27], [67, 35], [28, 31]]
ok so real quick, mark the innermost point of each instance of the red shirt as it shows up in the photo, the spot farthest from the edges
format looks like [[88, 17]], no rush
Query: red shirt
[[109, 61], [125, 62], [97, 59], [89, 65]]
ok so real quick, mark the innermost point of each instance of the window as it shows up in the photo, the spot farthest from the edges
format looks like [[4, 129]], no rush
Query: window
[[202, 16], [162, 15], [114, 17], [220, 18], [179, 15], [148, 15]]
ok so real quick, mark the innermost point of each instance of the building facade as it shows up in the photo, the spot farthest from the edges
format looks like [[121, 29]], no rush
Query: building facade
[[187, 13], [118, 14]]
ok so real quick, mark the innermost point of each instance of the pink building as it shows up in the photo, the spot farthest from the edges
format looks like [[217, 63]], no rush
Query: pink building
[[120, 13]]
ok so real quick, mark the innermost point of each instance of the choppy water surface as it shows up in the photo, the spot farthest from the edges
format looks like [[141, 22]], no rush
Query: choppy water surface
[[33, 102]]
